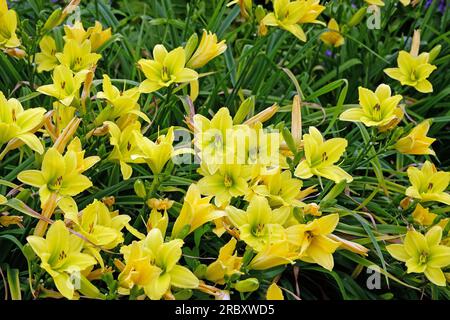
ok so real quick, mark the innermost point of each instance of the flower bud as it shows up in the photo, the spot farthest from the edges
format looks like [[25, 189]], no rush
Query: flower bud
[[139, 189], [357, 17], [246, 106], [260, 13], [247, 285], [190, 46], [434, 53], [52, 21]]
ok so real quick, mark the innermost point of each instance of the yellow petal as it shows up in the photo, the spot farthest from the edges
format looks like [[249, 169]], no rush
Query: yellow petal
[[274, 292]]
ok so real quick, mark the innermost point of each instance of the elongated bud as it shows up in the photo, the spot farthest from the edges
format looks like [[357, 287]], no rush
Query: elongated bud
[[415, 43], [333, 193], [200, 271], [139, 189], [263, 116], [67, 134], [260, 13], [296, 121], [190, 46], [16, 53], [247, 285], [287, 136], [434, 53], [246, 106], [350, 245], [52, 21], [69, 9], [357, 17]]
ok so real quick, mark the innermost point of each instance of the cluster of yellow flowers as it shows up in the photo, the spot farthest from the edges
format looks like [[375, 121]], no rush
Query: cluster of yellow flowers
[[239, 160]]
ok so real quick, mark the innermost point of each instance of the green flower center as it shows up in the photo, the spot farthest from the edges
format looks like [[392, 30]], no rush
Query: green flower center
[[165, 74], [423, 258], [227, 181]]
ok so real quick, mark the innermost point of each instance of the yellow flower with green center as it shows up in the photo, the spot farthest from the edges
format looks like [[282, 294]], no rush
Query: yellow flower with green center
[[287, 15], [46, 59], [259, 226], [416, 142], [58, 175], [156, 154], [126, 149], [66, 86], [227, 182], [428, 184], [17, 123], [313, 242], [332, 37], [413, 71], [377, 108], [78, 56], [321, 156], [165, 69], [153, 265], [196, 211], [8, 26], [423, 254], [61, 256], [120, 103], [227, 263], [208, 49]]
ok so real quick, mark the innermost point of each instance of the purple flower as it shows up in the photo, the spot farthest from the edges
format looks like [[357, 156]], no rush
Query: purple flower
[[328, 53], [442, 6]]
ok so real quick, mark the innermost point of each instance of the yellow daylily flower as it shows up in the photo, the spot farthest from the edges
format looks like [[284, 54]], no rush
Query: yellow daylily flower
[[379, 3], [165, 68], [58, 175], [277, 254], [17, 123], [46, 59], [61, 257], [416, 142], [126, 149], [75, 32], [423, 216], [83, 163], [274, 292], [289, 15], [78, 56], [8, 26], [98, 36], [66, 86], [413, 71], [154, 266], [121, 103], [227, 263], [428, 184], [423, 254], [312, 239], [196, 211], [157, 219], [156, 154], [332, 37], [320, 157], [227, 182], [259, 225], [208, 49], [377, 108]]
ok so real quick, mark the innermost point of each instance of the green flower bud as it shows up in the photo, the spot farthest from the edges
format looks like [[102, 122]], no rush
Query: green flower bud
[[246, 106], [52, 21], [247, 285], [357, 17], [190, 46], [434, 53], [139, 189]]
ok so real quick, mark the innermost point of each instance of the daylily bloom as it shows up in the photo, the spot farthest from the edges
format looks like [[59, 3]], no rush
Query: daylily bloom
[[277, 254], [423, 216], [423, 254], [15, 122], [66, 86], [165, 68], [61, 257], [274, 292], [75, 32], [312, 239], [8, 26], [126, 149], [58, 175], [208, 49], [229, 181], [153, 265], [77, 56], [227, 263], [332, 37], [156, 154], [196, 211], [321, 156], [416, 142], [428, 184], [83, 163], [378, 108], [259, 225], [46, 59], [413, 71], [97, 36], [158, 217], [121, 103], [289, 14]]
